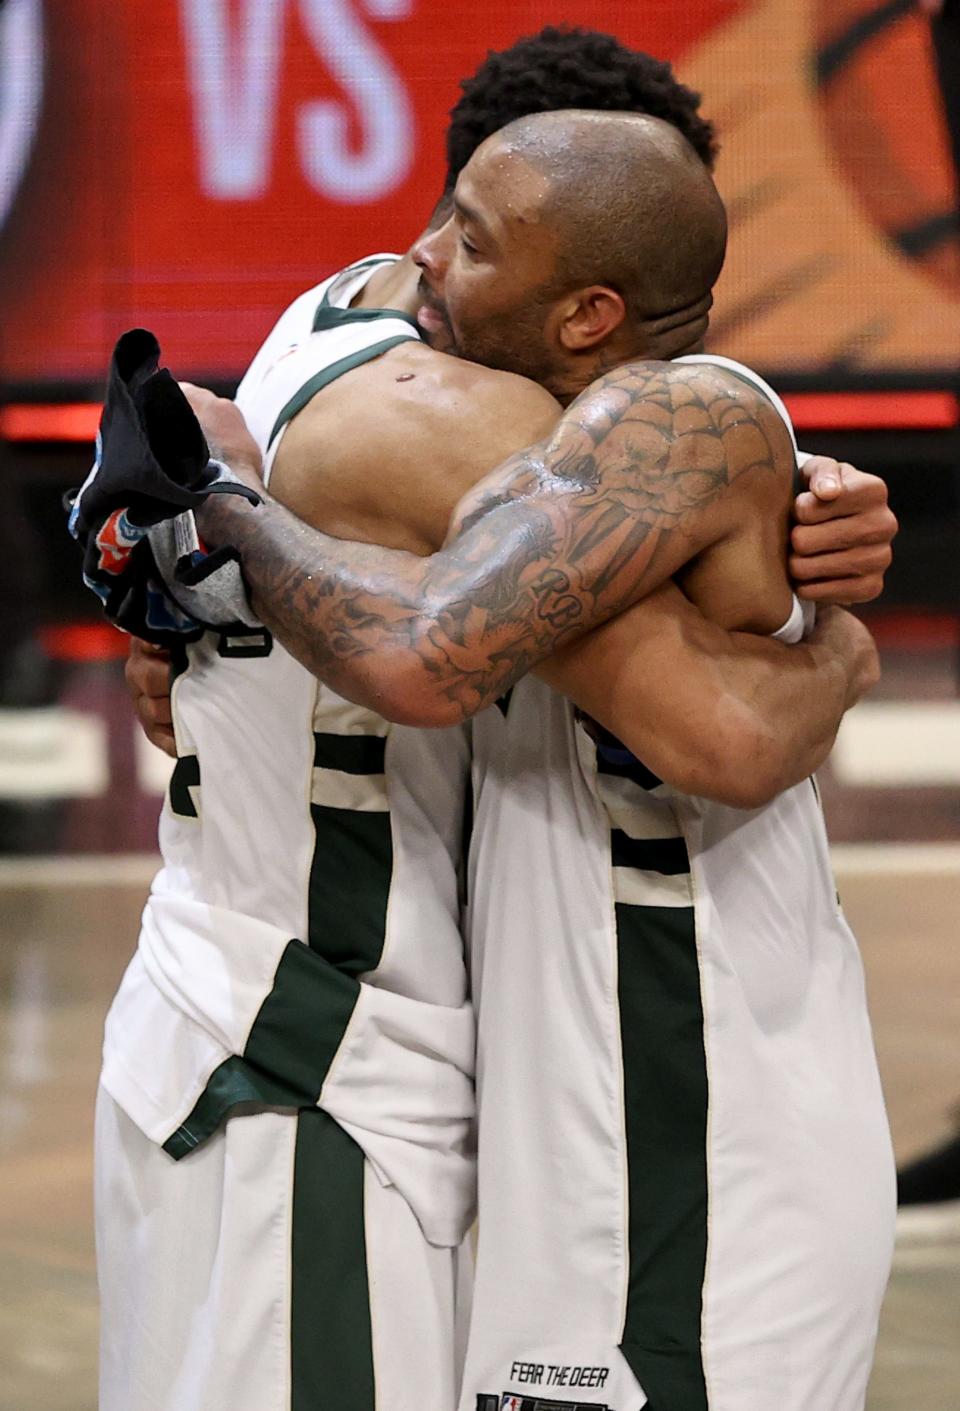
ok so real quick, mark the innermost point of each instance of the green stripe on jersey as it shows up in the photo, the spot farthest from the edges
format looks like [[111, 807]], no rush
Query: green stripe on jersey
[[371, 262], [288, 1052], [329, 374], [233, 1083], [331, 1341], [329, 317], [352, 860], [666, 855], [185, 777], [302, 1021], [665, 1097], [350, 886], [351, 754]]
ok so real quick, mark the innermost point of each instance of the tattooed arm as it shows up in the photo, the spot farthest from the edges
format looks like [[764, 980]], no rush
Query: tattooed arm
[[653, 465]]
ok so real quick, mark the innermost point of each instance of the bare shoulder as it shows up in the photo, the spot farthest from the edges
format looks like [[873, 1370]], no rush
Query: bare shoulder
[[656, 442], [672, 434], [443, 387], [428, 393], [401, 438], [684, 406]]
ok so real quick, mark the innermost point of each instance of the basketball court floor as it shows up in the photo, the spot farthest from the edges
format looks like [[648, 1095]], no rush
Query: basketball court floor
[[68, 923]]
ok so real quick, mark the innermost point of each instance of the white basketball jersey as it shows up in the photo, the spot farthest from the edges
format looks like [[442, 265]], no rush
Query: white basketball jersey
[[685, 1176], [306, 922]]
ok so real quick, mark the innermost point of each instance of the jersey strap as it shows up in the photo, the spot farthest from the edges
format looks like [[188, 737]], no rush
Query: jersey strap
[[347, 279], [329, 317], [334, 314], [330, 373]]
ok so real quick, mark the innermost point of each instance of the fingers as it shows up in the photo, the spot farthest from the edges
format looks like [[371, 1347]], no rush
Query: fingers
[[147, 670], [841, 546], [846, 592], [824, 476], [195, 394], [858, 562], [858, 492], [869, 528], [154, 711], [163, 737]]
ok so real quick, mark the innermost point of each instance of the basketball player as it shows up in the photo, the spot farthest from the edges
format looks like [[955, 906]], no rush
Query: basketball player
[[593, 1270], [232, 1358]]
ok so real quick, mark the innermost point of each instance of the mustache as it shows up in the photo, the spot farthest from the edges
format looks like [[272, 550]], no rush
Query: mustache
[[426, 295]]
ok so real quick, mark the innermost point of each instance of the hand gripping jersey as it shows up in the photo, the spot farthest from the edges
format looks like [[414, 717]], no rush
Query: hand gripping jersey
[[300, 952], [685, 1179]]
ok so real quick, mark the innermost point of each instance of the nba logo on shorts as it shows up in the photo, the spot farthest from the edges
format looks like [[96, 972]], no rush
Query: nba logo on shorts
[[511, 1403]]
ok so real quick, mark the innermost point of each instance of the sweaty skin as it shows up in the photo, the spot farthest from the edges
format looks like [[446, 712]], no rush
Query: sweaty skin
[[655, 465], [657, 468], [724, 715]]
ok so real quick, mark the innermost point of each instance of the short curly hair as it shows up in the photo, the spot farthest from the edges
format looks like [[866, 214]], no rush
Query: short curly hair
[[569, 67]]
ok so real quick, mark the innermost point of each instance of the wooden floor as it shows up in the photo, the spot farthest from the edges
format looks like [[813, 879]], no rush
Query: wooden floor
[[64, 945]]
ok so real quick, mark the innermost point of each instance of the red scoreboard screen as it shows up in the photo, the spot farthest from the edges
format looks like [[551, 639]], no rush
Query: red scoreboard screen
[[191, 165]]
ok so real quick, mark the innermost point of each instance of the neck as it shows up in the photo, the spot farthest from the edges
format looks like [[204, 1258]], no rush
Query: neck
[[567, 383]]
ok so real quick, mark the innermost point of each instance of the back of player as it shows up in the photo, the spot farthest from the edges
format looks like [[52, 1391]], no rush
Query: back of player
[[284, 1137], [685, 1176]]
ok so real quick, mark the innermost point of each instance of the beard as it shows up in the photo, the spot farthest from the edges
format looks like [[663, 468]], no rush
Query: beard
[[510, 342]]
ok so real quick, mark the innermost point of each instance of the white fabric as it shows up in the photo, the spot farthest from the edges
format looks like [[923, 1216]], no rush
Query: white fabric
[[233, 892], [235, 886], [176, 1242], [801, 1177], [401, 1084], [293, 353], [801, 1182]]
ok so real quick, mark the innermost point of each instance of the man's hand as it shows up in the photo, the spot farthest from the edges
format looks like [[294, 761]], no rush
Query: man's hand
[[148, 681], [842, 535], [226, 433]]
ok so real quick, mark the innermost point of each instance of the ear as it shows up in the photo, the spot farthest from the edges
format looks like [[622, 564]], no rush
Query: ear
[[589, 317]]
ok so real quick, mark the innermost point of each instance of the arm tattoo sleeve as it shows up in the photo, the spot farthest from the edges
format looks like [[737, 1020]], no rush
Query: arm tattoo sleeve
[[557, 540]]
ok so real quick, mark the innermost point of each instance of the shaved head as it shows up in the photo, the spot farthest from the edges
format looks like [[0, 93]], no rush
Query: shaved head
[[578, 240], [631, 203]]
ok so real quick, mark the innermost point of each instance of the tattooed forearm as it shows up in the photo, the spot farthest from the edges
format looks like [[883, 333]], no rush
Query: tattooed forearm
[[559, 539]]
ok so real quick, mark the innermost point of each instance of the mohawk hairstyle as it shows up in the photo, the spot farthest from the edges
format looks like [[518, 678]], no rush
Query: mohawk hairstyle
[[564, 67]]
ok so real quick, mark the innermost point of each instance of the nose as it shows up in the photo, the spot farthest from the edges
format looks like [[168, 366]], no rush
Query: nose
[[432, 254]]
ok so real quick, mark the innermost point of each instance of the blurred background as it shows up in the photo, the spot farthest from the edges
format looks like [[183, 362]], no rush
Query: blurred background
[[192, 165]]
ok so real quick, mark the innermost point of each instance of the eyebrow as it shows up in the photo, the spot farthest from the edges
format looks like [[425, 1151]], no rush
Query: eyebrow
[[467, 213]]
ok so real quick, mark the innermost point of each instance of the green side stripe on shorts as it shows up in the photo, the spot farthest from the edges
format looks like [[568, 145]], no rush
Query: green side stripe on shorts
[[289, 1050], [329, 374], [665, 1095], [331, 1343]]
